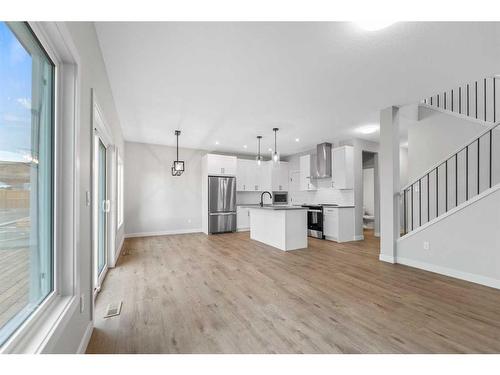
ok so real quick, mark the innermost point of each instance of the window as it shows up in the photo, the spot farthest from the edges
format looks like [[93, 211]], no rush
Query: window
[[26, 176], [120, 191]]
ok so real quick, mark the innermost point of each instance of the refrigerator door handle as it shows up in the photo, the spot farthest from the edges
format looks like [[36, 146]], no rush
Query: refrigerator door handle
[[222, 213]]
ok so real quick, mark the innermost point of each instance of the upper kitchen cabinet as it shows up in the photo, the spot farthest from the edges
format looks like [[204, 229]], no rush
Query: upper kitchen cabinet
[[279, 176], [343, 167], [243, 175], [305, 173], [221, 165], [264, 177]]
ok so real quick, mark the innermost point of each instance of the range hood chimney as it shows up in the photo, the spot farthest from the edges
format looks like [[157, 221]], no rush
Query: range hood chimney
[[323, 165]]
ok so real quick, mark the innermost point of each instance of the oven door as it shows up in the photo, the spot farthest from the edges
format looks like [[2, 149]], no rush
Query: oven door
[[315, 223]]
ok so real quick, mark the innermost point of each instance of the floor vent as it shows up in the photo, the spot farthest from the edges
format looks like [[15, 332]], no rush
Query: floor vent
[[113, 309]]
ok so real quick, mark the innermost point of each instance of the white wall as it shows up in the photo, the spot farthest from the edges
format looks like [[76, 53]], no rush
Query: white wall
[[369, 190], [403, 166], [473, 255], [434, 137], [155, 201], [93, 75]]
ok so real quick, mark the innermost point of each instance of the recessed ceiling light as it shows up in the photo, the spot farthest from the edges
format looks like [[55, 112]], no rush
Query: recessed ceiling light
[[244, 146], [216, 142], [297, 140], [374, 25], [368, 129], [270, 149]]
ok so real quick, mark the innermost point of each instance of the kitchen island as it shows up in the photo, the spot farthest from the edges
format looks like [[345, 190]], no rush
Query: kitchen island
[[283, 227]]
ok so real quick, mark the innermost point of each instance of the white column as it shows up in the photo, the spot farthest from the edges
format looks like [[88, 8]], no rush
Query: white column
[[389, 183]]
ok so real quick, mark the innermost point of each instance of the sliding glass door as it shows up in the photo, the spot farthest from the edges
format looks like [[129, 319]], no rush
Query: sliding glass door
[[102, 211]]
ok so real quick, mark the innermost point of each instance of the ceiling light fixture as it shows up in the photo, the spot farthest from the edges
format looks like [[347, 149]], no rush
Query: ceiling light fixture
[[244, 146], [374, 25], [368, 129], [178, 167], [259, 157], [297, 140], [216, 142], [276, 155]]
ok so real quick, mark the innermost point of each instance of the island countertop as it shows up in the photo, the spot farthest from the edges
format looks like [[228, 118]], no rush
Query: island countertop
[[277, 207]]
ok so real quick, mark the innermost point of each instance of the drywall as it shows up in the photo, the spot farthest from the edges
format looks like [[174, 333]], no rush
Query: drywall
[[156, 201], [464, 244], [93, 76], [434, 137], [369, 191]]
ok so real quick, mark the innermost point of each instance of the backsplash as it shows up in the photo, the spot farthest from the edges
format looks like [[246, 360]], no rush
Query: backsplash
[[322, 196]]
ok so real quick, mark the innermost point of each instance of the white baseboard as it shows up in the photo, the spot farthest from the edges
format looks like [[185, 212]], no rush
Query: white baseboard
[[243, 230], [86, 338], [473, 278], [387, 258], [163, 233], [359, 237]]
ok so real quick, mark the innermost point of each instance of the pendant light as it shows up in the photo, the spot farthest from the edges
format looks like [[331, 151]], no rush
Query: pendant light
[[259, 157], [178, 167], [276, 155]]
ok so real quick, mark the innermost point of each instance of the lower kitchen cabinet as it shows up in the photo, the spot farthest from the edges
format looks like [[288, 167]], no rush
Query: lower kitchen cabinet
[[242, 218], [338, 224]]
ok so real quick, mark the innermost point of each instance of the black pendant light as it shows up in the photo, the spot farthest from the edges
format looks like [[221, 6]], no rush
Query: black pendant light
[[178, 167], [259, 157], [276, 155]]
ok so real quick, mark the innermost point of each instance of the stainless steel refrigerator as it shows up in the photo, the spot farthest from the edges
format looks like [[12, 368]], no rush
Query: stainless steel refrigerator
[[221, 204]]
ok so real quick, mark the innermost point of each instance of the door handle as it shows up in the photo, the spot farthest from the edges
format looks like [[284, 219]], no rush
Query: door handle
[[106, 205]]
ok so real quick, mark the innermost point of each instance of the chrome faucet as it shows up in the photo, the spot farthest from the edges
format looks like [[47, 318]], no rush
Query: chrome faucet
[[262, 197]]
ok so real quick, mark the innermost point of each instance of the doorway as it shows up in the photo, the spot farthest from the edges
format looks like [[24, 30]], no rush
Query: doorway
[[102, 195], [371, 202]]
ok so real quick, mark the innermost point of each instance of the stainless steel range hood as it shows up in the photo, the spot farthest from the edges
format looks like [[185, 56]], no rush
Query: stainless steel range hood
[[321, 164]]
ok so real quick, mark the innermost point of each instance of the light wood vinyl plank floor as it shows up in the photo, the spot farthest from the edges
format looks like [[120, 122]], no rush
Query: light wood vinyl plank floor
[[228, 294]]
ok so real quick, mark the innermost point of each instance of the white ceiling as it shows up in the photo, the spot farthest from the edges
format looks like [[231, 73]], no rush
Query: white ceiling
[[229, 82]]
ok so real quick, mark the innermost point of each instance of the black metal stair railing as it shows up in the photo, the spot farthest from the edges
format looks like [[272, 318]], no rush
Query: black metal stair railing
[[477, 99], [471, 170]]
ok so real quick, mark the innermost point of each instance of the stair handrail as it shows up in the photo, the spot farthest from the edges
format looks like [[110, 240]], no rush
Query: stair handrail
[[442, 161]]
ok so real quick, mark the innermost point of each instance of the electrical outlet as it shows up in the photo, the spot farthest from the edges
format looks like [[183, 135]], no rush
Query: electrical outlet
[[82, 303], [426, 245]]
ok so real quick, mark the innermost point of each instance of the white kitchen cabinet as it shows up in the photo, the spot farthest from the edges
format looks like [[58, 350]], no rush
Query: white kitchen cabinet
[[305, 173], [244, 175], [242, 218], [279, 176], [221, 165], [338, 223], [343, 167], [265, 177]]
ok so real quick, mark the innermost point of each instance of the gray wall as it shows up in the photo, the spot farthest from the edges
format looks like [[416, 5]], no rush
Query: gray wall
[[473, 255], [155, 201], [93, 75], [434, 137]]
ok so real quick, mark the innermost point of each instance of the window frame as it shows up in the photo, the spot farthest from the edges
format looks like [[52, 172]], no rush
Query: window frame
[[37, 332]]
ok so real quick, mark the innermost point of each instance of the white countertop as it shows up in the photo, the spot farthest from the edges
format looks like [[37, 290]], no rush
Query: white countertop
[[278, 207]]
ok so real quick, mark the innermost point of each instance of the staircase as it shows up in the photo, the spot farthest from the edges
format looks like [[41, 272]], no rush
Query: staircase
[[470, 171], [479, 100]]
